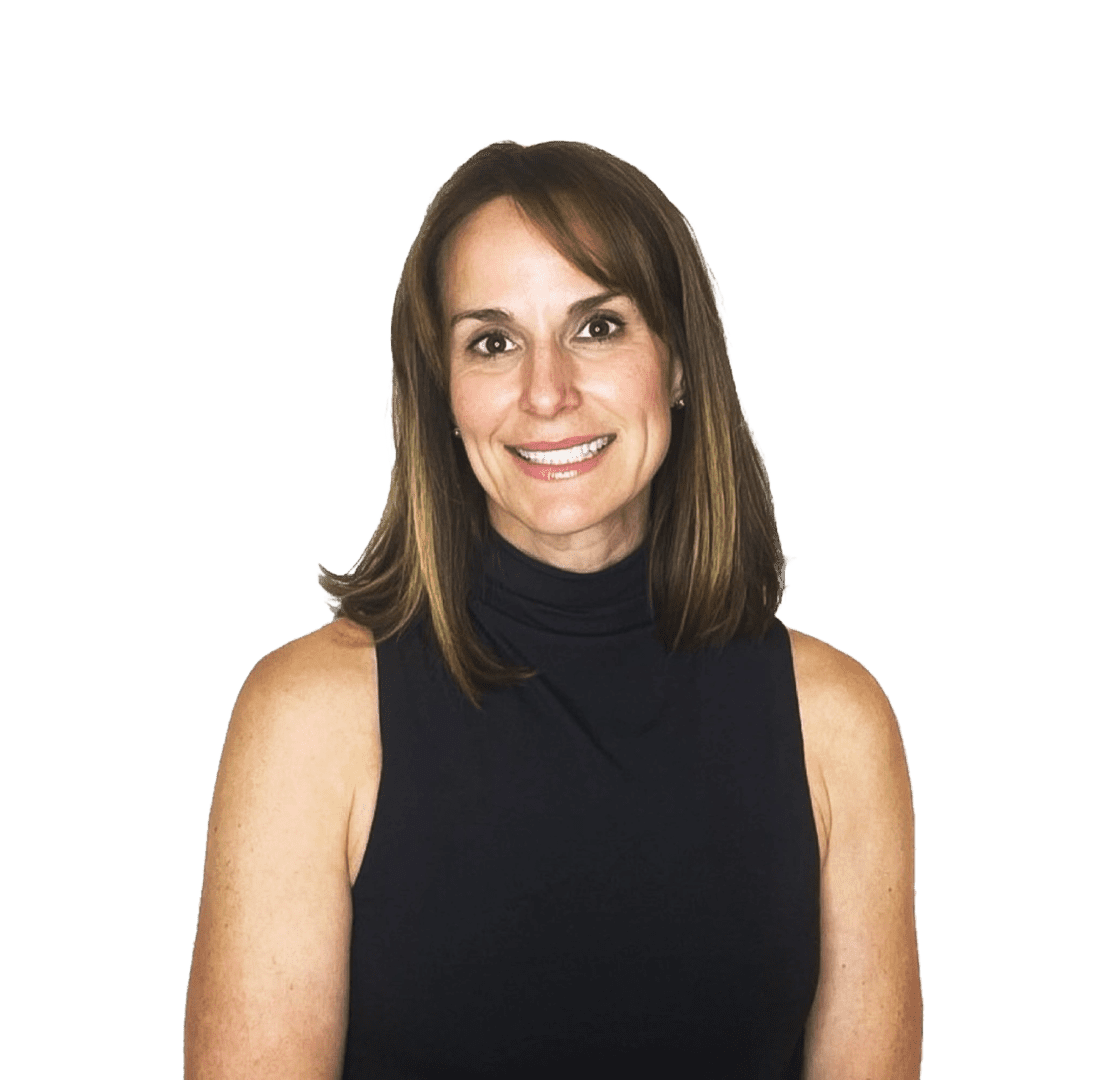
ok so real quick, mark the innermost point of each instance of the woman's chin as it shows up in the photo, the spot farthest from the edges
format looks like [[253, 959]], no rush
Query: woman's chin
[[568, 522]]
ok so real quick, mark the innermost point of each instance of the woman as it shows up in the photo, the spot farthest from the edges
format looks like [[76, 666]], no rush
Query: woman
[[620, 818]]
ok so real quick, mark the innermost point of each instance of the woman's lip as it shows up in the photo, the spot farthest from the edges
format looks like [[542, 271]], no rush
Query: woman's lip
[[561, 444], [568, 471]]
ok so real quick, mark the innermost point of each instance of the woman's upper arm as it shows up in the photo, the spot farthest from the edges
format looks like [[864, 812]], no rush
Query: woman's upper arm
[[866, 1021], [267, 993]]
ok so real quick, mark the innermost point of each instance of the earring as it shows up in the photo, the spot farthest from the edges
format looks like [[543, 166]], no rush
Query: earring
[[457, 433], [679, 403]]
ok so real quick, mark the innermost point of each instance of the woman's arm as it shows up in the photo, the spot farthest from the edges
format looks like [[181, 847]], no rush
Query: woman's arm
[[866, 1022], [267, 994]]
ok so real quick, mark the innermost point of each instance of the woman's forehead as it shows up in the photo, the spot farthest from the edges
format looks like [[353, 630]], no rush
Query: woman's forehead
[[502, 249]]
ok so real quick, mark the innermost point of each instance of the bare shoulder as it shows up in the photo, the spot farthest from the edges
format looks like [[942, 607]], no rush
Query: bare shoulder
[[311, 707], [835, 691], [334, 665], [855, 759], [848, 723], [315, 689]]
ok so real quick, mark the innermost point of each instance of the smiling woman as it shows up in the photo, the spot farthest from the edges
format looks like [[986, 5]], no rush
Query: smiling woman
[[592, 226], [556, 793]]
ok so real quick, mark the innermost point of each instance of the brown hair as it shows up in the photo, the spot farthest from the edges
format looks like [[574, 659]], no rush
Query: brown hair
[[716, 568]]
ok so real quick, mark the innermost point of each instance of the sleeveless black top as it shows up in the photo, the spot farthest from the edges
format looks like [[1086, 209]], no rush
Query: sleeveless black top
[[610, 867]]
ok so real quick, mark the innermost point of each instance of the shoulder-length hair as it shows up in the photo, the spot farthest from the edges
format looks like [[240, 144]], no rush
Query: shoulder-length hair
[[716, 567]]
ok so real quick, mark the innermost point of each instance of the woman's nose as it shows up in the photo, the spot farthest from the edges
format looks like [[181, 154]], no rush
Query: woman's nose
[[549, 382]]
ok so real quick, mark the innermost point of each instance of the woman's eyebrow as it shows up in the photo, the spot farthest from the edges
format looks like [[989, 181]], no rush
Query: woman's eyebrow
[[590, 302], [499, 315], [481, 315]]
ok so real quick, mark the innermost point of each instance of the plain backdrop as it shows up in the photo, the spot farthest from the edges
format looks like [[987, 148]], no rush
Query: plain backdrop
[[204, 209]]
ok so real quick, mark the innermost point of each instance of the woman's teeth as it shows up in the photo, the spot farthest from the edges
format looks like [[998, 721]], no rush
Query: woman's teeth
[[569, 456]]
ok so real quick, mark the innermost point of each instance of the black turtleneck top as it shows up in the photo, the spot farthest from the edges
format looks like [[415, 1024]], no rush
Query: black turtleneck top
[[610, 867]]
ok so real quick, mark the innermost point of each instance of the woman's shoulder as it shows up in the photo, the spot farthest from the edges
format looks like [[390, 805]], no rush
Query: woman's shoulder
[[847, 719], [851, 736], [311, 701], [317, 670], [835, 688], [338, 642], [305, 729]]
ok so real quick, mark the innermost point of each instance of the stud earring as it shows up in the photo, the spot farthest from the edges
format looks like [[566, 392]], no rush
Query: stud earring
[[679, 403], [457, 433]]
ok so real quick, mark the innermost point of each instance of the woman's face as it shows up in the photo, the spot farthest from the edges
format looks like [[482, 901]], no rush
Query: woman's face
[[560, 390]]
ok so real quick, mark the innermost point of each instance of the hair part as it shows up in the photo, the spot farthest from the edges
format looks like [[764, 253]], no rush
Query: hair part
[[716, 566]]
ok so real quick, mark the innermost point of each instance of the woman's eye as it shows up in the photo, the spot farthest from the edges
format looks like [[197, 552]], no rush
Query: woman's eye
[[600, 326], [495, 343]]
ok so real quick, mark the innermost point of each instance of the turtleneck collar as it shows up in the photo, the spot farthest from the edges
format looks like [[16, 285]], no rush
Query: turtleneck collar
[[607, 601]]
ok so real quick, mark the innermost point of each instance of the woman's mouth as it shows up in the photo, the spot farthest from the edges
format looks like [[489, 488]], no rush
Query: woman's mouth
[[551, 462], [567, 456]]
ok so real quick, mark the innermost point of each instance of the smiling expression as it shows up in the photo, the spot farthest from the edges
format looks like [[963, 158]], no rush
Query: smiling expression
[[560, 390]]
